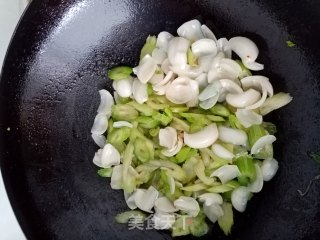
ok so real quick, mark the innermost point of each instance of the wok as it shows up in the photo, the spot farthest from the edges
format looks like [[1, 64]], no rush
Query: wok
[[57, 62]]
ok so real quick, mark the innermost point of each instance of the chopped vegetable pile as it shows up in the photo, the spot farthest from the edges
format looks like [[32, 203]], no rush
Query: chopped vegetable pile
[[183, 134]]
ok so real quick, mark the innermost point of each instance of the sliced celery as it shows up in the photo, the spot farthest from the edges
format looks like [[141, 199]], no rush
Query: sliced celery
[[149, 46], [234, 122], [144, 109], [147, 122], [184, 154], [180, 125], [246, 167], [226, 221], [220, 110], [254, 133], [105, 172], [214, 118], [124, 112], [120, 72], [143, 149]]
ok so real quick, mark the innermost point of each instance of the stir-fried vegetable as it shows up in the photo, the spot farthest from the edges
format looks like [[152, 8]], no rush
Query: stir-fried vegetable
[[183, 134]]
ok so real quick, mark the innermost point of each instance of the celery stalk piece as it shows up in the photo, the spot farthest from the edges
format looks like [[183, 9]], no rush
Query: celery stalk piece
[[254, 133], [143, 149], [188, 168], [199, 170], [220, 110], [105, 172], [179, 109], [180, 125], [226, 221], [149, 46], [214, 118], [154, 131], [180, 227], [144, 109], [198, 226], [246, 168], [118, 136], [234, 122], [200, 119], [184, 154], [162, 118], [229, 186], [128, 180], [136, 215], [195, 187], [124, 112], [270, 127], [147, 122], [120, 72]]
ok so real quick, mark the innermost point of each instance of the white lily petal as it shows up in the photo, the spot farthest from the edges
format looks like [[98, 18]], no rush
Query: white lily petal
[[191, 30], [203, 47], [194, 93], [209, 103], [163, 221], [160, 89], [163, 204], [206, 62], [99, 139], [211, 90], [106, 102], [145, 199], [223, 46], [257, 82], [242, 100], [100, 124], [165, 66], [234, 136], [187, 70], [135, 70], [109, 157], [116, 177], [120, 124], [168, 137], [221, 151], [269, 168], [224, 69], [208, 33], [158, 55], [188, 205], [275, 102], [210, 198], [97, 157], [257, 184], [262, 142], [253, 66], [226, 173], [260, 102], [124, 87], [177, 51], [230, 86], [213, 212], [239, 198], [202, 80], [130, 200], [203, 138], [172, 183], [139, 90], [179, 91], [163, 40], [248, 117], [174, 150], [156, 78], [146, 70], [245, 48], [146, 58]]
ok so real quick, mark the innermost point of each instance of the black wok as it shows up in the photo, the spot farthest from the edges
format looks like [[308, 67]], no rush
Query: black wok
[[55, 65]]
